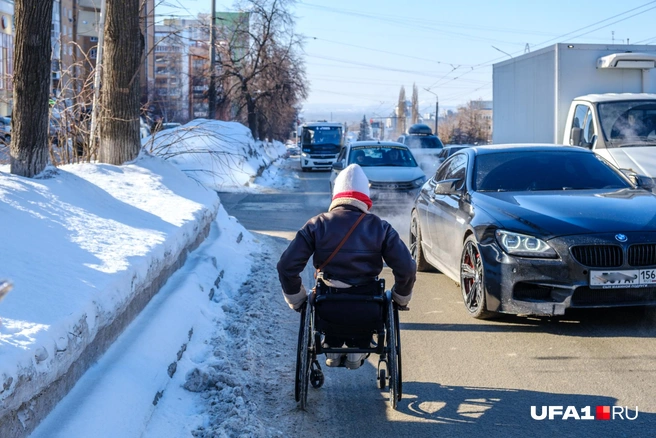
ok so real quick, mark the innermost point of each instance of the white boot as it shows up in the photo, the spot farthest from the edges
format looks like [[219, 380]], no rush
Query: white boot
[[355, 360], [333, 359]]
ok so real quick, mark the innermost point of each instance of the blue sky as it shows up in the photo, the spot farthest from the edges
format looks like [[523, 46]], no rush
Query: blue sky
[[359, 53]]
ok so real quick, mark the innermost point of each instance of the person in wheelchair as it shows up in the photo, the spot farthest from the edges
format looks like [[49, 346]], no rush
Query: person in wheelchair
[[355, 266]]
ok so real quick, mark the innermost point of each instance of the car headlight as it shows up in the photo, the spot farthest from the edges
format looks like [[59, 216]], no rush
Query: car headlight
[[419, 181], [524, 245], [304, 155]]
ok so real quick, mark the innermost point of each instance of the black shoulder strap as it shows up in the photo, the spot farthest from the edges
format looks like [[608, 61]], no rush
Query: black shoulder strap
[[323, 265]]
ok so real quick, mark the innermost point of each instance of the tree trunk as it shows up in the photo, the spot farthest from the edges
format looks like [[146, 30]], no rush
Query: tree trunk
[[29, 125], [119, 115], [252, 116]]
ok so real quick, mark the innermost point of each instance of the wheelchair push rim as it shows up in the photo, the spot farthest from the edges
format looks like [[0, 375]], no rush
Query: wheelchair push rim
[[303, 360], [393, 356]]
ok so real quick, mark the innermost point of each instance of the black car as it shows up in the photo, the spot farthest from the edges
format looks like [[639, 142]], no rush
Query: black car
[[447, 151], [537, 230]]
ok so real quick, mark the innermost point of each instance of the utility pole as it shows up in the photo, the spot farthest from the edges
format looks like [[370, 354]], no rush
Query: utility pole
[[211, 90], [96, 80], [437, 111], [437, 107]]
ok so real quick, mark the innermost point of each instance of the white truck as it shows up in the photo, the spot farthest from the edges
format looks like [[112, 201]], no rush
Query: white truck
[[320, 143], [591, 95]]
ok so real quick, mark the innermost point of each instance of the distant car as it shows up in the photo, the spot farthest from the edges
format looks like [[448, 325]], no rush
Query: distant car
[[394, 175], [447, 151], [5, 130], [293, 149], [170, 126], [425, 146], [529, 229], [144, 129]]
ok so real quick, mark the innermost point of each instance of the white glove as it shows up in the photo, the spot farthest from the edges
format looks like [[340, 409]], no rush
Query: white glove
[[296, 300]]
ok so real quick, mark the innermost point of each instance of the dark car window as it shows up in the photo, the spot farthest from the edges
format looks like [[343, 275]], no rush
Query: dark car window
[[452, 169], [368, 156], [424, 142], [544, 170]]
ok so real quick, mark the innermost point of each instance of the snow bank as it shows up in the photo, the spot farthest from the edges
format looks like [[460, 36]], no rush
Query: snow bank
[[88, 245], [217, 154]]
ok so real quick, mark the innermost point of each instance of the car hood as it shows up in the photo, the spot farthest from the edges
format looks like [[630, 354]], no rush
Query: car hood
[[392, 173], [552, 214], [642, 160]]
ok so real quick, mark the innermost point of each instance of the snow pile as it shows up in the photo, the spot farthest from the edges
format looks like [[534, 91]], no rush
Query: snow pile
[[217, 154], [84, 242], [78, 247]]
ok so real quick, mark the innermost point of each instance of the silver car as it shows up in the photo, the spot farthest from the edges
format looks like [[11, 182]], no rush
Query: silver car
[[394, 176]]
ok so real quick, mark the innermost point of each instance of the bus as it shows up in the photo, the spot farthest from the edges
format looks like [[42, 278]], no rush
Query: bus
[[321, 142]]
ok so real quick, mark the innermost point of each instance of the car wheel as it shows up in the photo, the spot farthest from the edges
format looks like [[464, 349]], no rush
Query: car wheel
[[472, 282], [415, 244]]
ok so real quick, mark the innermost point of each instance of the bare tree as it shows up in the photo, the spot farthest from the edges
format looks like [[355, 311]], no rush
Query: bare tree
[[120, 97], [258, 64], [415, 104], [29, 125]]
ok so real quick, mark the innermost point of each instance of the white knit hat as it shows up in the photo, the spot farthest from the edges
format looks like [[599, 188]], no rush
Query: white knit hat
[[351, 188]]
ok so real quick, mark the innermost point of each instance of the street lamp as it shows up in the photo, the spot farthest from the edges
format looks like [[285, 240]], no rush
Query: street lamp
[[437, 107]]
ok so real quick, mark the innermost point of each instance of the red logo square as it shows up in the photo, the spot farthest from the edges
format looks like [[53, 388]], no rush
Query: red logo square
[[603, 413]]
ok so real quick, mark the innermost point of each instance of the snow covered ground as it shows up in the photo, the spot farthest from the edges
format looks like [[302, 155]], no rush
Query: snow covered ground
[[82, 241]]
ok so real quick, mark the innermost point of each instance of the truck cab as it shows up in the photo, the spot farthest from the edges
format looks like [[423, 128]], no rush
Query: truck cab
[[620, 127]]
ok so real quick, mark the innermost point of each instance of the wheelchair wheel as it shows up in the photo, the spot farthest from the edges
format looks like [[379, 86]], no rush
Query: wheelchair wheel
[[382, 378], [393, 363], [303, 359], [316, 377], [398, 354]]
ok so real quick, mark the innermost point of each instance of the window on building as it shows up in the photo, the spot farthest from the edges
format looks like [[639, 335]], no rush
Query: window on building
[[93, 53]]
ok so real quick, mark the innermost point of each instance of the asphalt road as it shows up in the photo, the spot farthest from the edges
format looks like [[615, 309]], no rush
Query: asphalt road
[[465, 377]]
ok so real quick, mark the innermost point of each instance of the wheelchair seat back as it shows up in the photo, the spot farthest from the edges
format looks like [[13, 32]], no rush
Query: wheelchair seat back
[[358, 310]]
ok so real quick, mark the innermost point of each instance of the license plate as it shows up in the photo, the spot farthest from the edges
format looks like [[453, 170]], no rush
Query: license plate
[[622, 279]]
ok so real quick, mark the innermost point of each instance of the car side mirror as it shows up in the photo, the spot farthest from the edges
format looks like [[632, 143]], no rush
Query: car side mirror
[[640, 181], [338, 165], [448, 186], [645, 182], [575, 137]]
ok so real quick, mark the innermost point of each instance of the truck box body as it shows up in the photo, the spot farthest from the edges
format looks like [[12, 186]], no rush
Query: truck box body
[[532, 93]]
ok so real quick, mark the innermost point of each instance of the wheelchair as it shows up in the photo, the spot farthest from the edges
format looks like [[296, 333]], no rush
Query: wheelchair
[[378, 318]]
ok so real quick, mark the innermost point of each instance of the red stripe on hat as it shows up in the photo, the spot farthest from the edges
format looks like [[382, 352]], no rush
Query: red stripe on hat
[[355, 195]]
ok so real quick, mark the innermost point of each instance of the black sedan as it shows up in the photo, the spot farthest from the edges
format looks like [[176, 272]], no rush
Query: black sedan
[[537, 230]]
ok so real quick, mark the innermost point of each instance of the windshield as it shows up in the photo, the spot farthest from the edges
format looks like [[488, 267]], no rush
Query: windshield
[[424, 142], [322, 135], [544, 170], [369, 156], [628, 123]]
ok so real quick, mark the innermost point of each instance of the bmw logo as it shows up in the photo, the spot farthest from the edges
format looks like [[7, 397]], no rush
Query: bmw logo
[[621, 237]]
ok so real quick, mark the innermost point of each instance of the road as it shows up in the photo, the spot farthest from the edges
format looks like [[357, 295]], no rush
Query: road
[[465, 377]]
